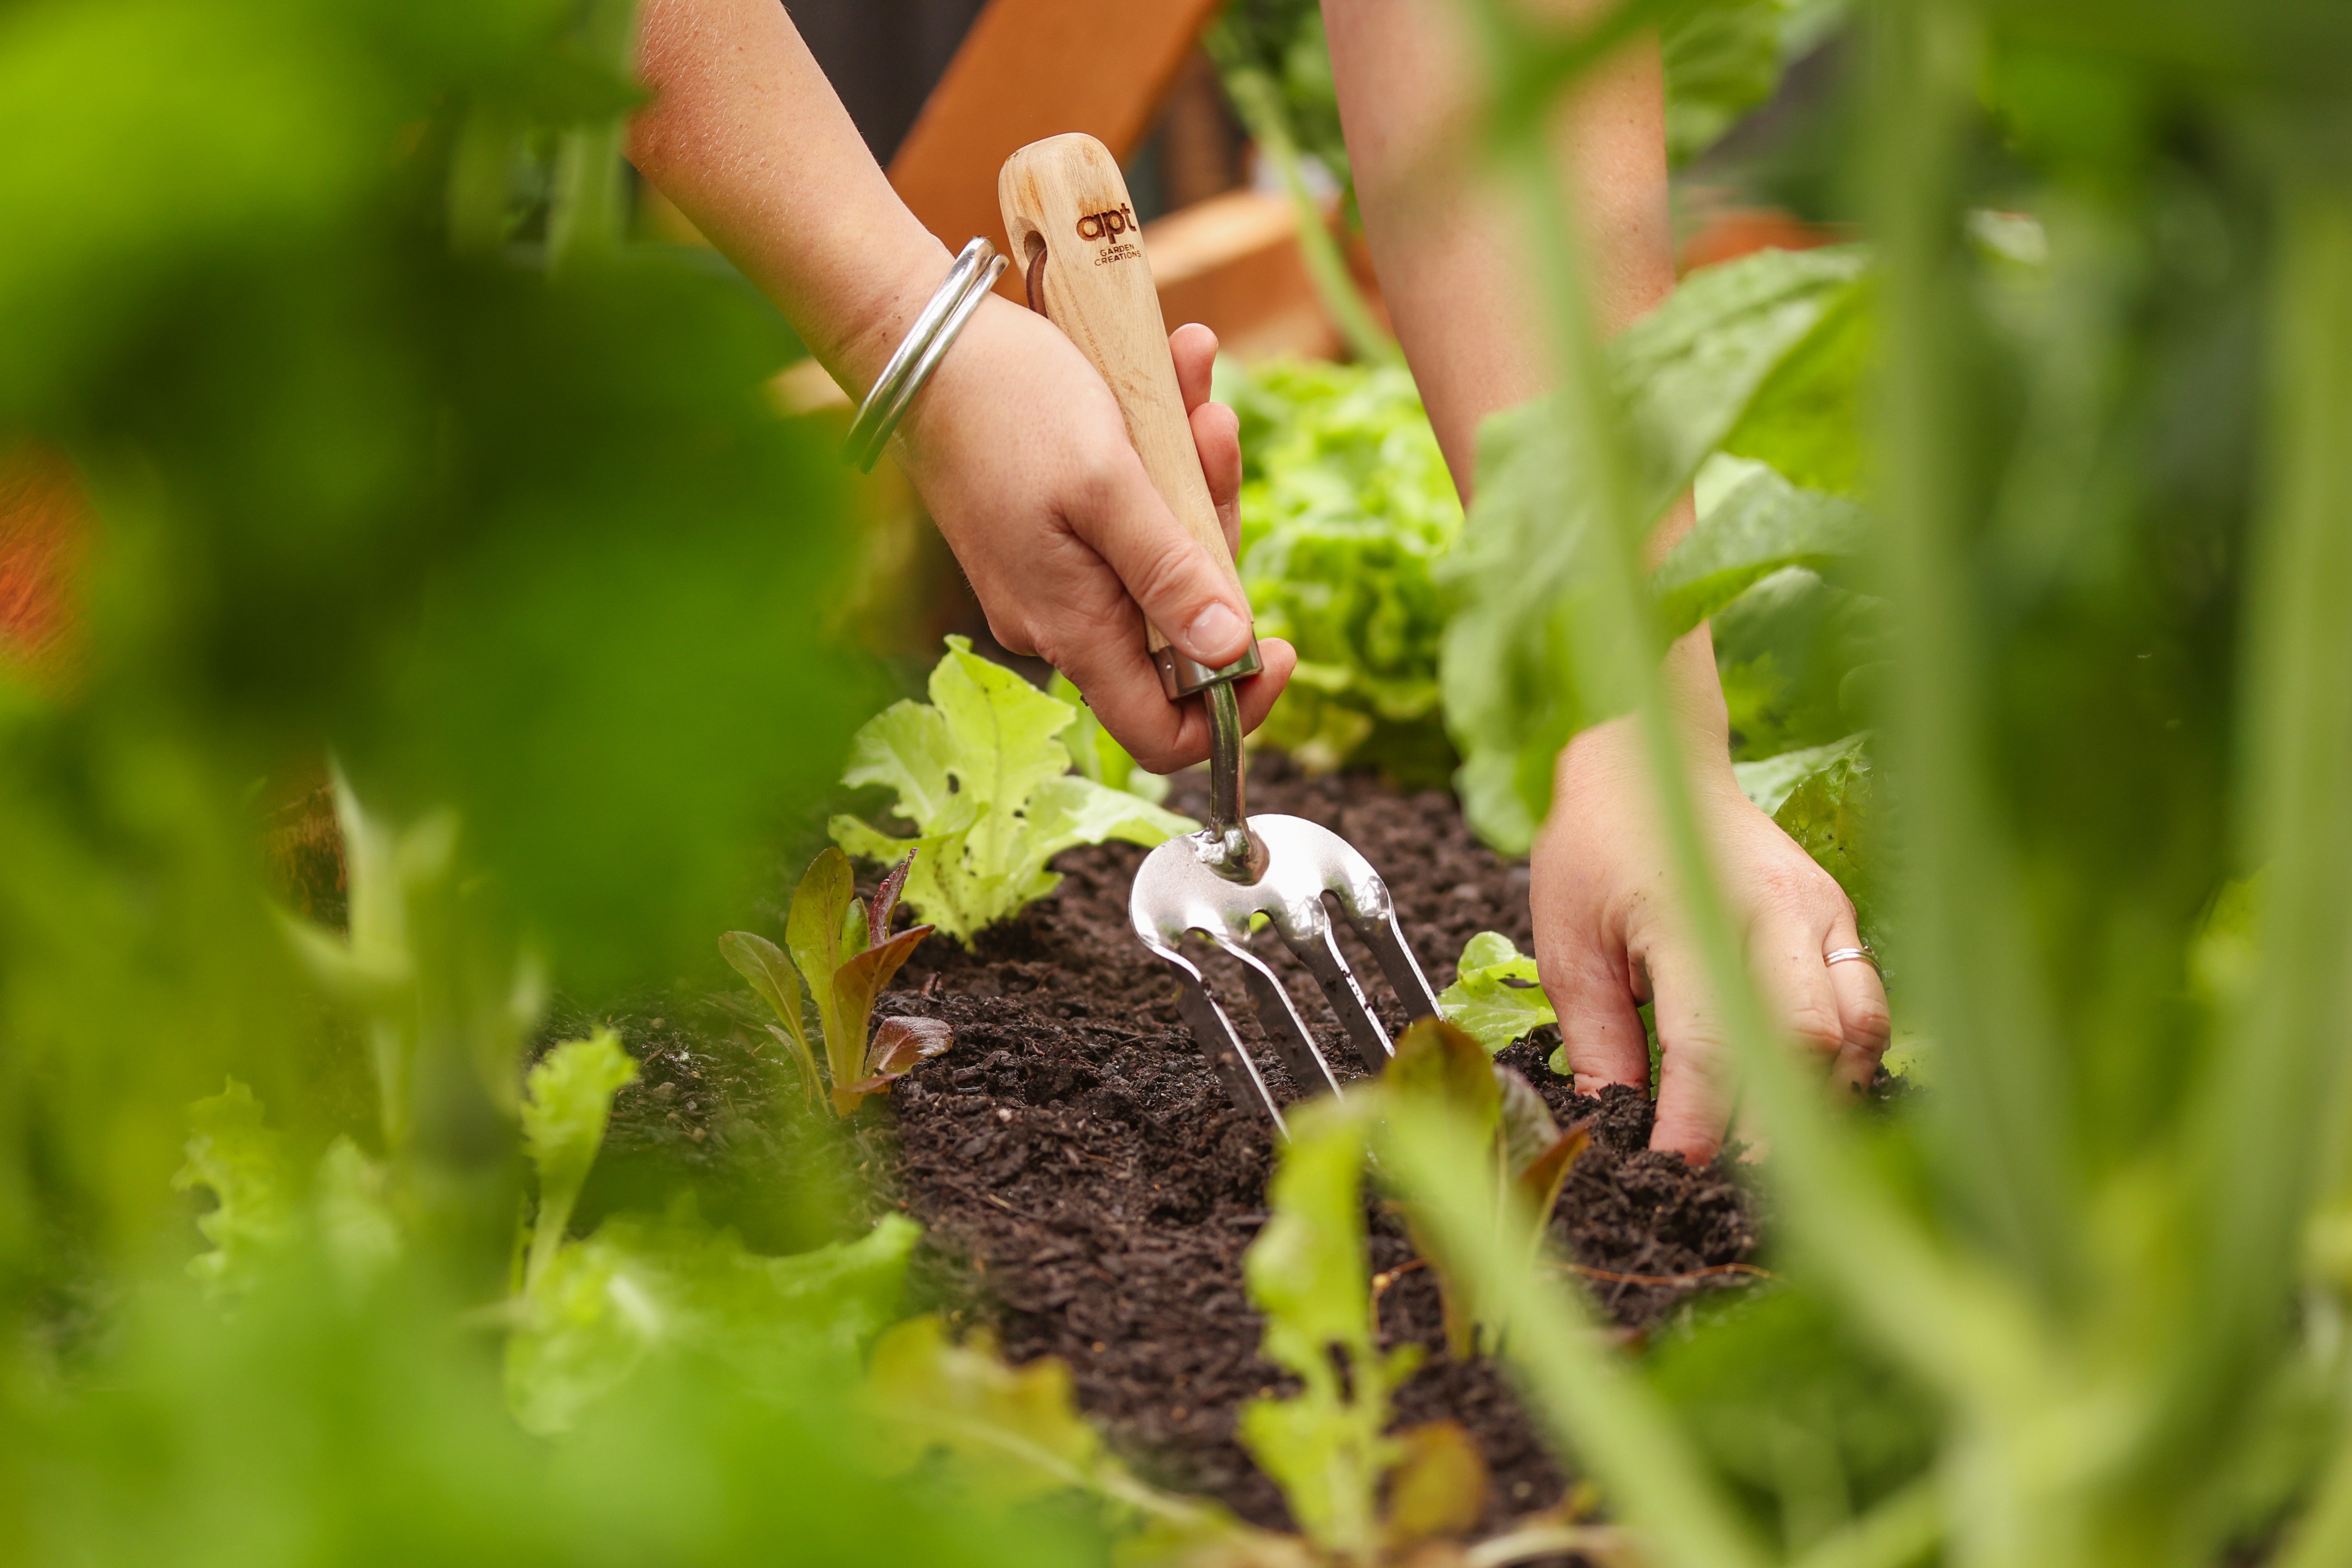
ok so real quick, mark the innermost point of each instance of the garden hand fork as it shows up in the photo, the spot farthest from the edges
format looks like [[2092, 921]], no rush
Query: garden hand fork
[[1068, 216]]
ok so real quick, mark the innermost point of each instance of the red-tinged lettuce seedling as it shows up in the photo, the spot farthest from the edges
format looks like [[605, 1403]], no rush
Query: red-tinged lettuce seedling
[[846, 953], [1438, 1063]]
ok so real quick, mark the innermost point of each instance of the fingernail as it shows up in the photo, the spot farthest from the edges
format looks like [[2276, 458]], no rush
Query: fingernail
[[1216, 634]]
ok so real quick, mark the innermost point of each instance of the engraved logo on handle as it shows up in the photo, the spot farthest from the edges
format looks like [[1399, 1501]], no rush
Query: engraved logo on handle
[[1109, 224]]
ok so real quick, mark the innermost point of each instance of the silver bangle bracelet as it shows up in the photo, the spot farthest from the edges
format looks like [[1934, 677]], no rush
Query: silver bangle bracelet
[[926, 343]]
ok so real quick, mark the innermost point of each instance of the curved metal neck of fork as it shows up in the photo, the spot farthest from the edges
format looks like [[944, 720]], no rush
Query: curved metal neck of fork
[[1228, 847]]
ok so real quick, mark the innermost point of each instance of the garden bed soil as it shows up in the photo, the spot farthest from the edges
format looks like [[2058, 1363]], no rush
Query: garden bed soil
[[1087, 1189]]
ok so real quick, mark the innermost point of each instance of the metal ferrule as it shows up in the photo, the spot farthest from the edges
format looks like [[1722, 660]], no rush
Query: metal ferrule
[[1181, 677]]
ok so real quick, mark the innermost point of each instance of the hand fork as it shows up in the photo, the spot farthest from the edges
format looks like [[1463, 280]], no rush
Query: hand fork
[[1067, 215]]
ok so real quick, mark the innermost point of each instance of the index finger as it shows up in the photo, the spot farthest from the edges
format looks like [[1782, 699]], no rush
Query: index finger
[[1122, 687]]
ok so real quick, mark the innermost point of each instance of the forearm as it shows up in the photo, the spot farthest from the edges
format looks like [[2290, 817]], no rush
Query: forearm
[[1451, 242], [745, 135]]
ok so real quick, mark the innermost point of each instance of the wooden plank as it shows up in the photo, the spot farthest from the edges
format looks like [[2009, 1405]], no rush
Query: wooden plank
[[1029, 70], [1232, 263]]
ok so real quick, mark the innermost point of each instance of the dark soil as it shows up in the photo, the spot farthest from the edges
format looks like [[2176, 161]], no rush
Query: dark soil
[[1087, 1189]]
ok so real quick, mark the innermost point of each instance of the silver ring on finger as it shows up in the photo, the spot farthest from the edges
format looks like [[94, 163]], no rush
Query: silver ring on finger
[[1849, 955]]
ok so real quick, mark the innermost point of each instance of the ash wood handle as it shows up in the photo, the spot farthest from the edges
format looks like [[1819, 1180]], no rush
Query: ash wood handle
[[1065, 201]]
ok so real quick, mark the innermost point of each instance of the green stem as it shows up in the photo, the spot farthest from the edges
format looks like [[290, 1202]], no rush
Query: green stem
[[585, 213], [2000, 1129], [2275, 1095], [1258, 98]]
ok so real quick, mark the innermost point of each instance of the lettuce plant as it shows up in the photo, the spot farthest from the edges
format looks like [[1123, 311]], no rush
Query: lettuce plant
[[1346, 505], [846, 953], [979, 773], [1097, 751], [1825, 798]]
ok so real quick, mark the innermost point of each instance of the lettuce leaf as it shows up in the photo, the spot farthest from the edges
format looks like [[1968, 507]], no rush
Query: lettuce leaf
[[236, 1157], [980, 774], [1825, 798], [1496, 998], [1095, 750], [567, 1100]]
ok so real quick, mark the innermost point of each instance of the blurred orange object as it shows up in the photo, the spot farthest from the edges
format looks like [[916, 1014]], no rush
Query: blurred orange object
[[1730, 233], [44, 525], [1032, 69]]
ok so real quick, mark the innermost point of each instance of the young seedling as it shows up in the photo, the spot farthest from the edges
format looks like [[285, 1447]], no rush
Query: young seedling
[[1438, 1062], [1496, 998], [846, 953]]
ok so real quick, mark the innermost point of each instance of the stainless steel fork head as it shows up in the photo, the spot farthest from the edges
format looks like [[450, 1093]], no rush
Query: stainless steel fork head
[[1179, 889]]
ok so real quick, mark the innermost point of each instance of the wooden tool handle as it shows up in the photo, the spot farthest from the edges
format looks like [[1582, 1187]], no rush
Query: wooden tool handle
[[1065, 201]]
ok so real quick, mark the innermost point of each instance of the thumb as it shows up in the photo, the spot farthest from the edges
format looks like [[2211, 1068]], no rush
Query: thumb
[[1190, 593]]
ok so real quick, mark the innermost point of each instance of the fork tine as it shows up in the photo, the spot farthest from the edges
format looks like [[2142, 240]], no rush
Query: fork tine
[[1317, 949], [1283, 1025], [1390, 949], [1214, 1032]]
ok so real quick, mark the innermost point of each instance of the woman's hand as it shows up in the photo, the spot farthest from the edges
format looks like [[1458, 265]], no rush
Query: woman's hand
[[1609, 931], [1020, 452]]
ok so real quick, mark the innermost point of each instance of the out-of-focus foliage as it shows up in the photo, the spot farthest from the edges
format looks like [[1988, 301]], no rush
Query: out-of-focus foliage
[[1346, 503], [1525, 1156], [1277, 68], [674, 1289], [1806, 1421], [1721, 60], [2092, 401], [979, 772], [416, 960], [1326, 1446], [531, 550], [392, 450], [1281, 41], [1015, 1434], [1496, 998], [1690, 375], [235, 1157], [567, 1099], [1361, 1493]]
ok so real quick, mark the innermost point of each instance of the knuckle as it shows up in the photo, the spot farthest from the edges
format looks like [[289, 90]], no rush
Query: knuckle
[[1818, 1028], [1869, 1024], [1099, 473], [1163, 569], [1012, 632]]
